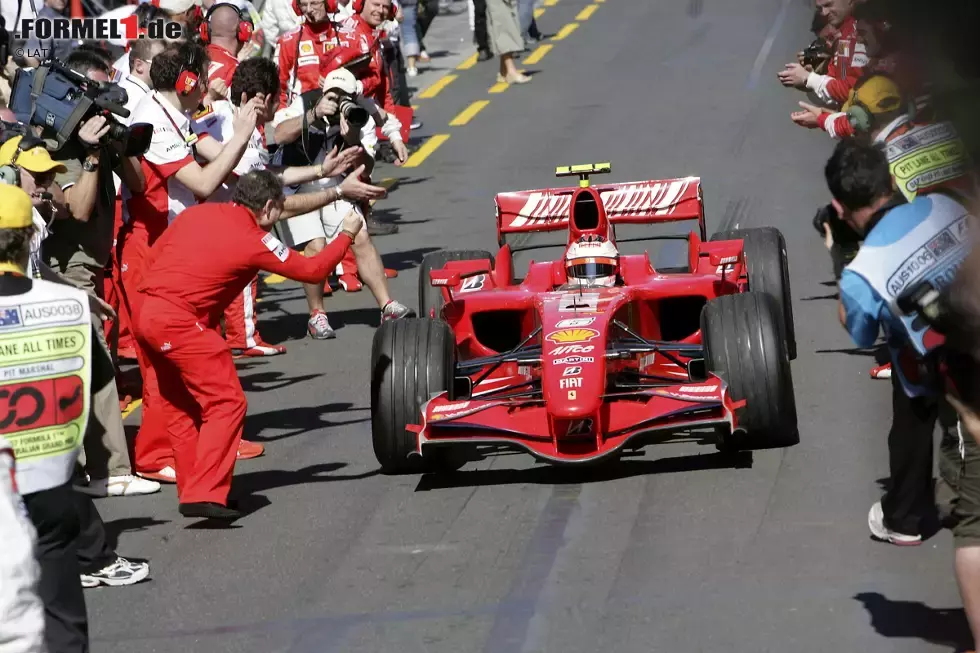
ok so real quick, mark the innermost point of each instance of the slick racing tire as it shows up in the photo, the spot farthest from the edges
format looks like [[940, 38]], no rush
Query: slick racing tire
[[411, 359], [743, 345], [430, 297], [768, 270]]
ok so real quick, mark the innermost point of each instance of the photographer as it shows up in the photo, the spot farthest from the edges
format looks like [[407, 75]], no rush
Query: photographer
[[174, 181], [78, 248], [893, 232], [323, 123]]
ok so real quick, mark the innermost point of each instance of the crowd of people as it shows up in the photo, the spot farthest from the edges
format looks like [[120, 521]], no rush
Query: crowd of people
[[899, 228], [260, 129]]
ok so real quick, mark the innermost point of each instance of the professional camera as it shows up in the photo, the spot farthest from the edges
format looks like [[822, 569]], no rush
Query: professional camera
[[928, 304], [816, 55], [356, 115], [59, 99]]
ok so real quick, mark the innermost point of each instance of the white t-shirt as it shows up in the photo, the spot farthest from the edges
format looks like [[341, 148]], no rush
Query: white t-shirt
[[135, 90], [217, 122], [121, 67]]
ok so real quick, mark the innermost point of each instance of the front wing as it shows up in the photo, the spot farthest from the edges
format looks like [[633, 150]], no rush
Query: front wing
[[626, 418]]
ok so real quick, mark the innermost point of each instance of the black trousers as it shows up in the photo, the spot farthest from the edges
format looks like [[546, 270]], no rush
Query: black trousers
[[425, 14], [55, 516], [910, 497], [480, 25]]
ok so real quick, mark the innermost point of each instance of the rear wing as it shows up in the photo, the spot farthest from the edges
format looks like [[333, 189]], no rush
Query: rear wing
[[633, 202]]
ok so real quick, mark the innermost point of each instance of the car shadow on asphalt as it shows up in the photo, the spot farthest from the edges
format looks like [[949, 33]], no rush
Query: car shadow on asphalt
[[408, 259], [298, 420], [251, 484], [563, 475], [915, 620]]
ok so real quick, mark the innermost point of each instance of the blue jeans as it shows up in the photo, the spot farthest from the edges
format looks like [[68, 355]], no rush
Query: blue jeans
[[410, 38], [525, 12]]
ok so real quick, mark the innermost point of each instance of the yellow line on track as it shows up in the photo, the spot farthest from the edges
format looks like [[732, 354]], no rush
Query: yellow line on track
[[538, 54], [586, 13], [133, 405], [275, 278], [469, 63], [539, 12], [427, 149], [469, 113], [436, 88], [499, 87], [565, 31], [550, 3]]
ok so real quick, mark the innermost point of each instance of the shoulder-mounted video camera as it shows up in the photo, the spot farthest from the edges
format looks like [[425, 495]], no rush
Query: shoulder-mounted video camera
[[59, 99]]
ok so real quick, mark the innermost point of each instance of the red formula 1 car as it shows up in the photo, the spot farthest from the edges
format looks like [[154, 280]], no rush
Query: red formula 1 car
[[596, 352]]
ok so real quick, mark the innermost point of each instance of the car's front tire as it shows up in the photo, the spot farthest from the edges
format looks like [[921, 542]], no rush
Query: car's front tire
[[744, 346], [411, 359]]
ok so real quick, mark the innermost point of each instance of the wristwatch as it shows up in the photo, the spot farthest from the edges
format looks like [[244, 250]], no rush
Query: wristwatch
[[88, 166]]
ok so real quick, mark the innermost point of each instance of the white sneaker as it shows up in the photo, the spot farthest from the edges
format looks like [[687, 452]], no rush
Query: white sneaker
[[412, 72], [121, 572], [129, 486], [166, 475], [876, 522]]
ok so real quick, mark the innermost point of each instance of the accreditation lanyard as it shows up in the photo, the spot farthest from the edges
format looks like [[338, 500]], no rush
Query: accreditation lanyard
[[190, 139]]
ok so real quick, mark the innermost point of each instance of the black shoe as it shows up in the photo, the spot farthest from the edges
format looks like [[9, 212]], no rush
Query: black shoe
[[209, 510], [376, 228], [484, 55]]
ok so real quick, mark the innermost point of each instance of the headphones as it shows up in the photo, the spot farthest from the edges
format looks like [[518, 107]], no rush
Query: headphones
[[862, 119], [187, 80], [245, 27], [10, 172]]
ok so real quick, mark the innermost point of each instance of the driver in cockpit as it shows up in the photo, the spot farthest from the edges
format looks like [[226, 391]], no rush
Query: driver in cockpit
[[592, 262]]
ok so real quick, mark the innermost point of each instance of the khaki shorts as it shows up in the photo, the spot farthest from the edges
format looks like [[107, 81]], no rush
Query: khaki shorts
[[958, 488], [321, 223]]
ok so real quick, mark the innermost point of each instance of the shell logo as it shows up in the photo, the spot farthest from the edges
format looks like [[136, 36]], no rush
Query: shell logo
[[566, 336]]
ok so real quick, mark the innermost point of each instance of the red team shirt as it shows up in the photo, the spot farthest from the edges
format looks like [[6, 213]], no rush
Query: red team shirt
[[223, 64], [302, 55], [844, 69], [203, 281]]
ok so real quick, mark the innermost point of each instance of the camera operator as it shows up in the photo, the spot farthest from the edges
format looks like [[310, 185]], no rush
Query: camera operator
[[893, 232], [78, 248], [37, 50], [326, 117], [173, 182], [846, 65]]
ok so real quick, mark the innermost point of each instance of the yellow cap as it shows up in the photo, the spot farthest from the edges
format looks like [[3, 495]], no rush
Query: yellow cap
[[879, 94], [35, 159], [16, 210]]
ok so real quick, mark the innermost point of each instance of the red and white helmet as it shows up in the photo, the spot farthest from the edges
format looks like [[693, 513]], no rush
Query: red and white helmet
[[592, 261]]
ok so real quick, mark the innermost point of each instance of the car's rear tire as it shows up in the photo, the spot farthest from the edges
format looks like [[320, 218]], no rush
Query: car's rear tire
[[411, 359], [430, 297], [743, 345], [768, 271]]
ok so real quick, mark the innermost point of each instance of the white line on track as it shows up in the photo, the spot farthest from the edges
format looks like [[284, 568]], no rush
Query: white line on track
[[767, 45]]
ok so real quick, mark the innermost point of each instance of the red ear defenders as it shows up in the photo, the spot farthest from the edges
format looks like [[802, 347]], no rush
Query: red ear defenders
[[245, 27], [187, 81]]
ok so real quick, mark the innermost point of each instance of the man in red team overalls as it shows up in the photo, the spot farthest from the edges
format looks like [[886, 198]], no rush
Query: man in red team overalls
[[181, 298], [845, 68]]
